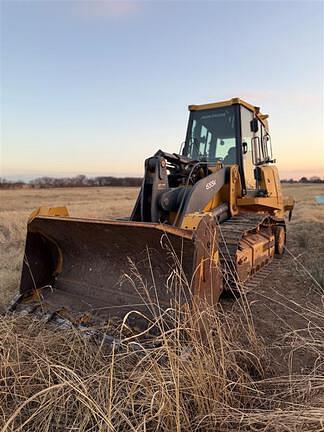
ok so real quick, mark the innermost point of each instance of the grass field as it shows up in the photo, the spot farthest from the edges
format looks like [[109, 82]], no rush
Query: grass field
[[257, 365], [16, 206]]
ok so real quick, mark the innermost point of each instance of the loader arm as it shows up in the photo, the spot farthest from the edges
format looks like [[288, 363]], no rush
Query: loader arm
[[173, 188]]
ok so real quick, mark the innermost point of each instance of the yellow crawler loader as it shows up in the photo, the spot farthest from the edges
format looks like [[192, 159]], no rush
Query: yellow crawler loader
[[206, 220]]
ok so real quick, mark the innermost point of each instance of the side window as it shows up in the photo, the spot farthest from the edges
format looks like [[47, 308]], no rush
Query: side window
[[247, 135], [261, 143], [226, 150], [201, 141], [257, 145], [266, 145]]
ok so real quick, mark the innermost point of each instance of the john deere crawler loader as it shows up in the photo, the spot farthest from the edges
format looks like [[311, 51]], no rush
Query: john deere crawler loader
[[206, 220]]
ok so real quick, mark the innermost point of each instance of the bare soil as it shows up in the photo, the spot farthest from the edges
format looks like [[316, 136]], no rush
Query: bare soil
[[289, 304]]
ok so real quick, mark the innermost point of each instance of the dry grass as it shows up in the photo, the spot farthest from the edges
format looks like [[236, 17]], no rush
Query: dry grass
[[306, 210], [306, 230], [214, 371], [209, 372], [16, 206]]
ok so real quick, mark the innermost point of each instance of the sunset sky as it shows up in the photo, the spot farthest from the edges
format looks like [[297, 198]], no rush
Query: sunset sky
[[96, 87]]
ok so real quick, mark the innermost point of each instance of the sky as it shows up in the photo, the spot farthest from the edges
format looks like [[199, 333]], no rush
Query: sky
[[95, 87]]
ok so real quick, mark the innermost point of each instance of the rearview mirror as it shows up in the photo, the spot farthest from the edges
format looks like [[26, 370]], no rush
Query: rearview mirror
[[254, 125]]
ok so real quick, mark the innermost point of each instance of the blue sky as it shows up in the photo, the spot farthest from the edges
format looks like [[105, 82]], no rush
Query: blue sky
[[96, 87]]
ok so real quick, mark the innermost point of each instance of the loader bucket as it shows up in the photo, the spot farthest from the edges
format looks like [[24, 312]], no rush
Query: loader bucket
[[106, 268]]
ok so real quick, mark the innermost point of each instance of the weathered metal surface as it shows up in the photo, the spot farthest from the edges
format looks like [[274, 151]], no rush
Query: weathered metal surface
[[108, 268], [232, 232], [207, 278]]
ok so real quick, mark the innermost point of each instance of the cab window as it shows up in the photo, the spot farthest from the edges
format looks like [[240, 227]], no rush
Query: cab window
[[211, 136], [247, 135], [261, 146]]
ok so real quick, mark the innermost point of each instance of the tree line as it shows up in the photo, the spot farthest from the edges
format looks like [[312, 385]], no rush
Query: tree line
[[313, 179], [77, 181], [84, 181]]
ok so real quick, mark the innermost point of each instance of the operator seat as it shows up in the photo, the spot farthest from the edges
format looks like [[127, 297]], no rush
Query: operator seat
[[230, 158]]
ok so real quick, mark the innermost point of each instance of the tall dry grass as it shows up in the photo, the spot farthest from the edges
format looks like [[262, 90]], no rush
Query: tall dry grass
[[208, 372], [203, 370]]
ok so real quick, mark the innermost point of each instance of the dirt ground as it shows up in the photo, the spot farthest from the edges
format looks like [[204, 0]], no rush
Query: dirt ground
[[289, 305], [281, 306]]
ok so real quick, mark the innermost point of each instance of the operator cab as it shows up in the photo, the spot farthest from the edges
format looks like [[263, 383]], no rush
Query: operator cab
[[227, 133]]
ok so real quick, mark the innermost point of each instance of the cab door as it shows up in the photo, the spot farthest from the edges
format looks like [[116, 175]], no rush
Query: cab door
[[246, 136]]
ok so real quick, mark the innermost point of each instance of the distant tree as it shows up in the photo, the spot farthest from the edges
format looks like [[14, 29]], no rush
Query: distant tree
[[315, 179], [8, 184], [291, 180], [77, 181], [303, 180]]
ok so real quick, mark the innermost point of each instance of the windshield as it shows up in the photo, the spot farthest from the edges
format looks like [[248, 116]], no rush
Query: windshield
[[211, 136]]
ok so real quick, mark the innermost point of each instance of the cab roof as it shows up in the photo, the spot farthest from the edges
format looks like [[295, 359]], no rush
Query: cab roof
[[233, 101]]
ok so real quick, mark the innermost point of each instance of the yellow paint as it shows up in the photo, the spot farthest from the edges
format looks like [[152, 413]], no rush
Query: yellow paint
[[216, 200], [192, 220], [225, 103], [273, 200], [235, 189], [49, 211], [258, 201], [234, 101], [228, 193]]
